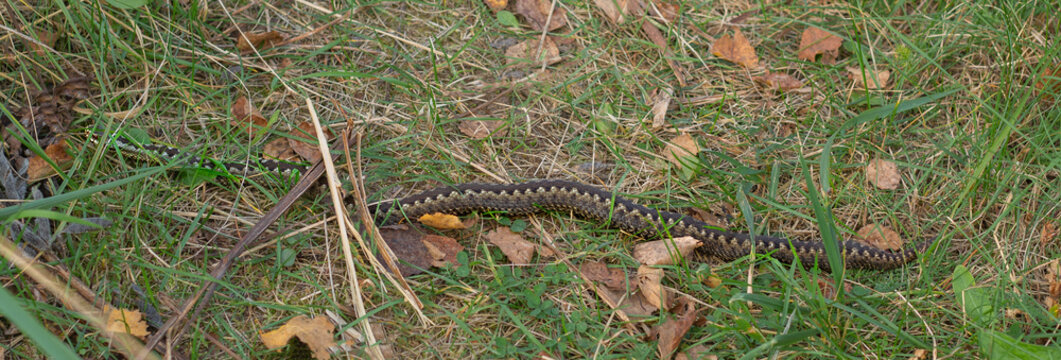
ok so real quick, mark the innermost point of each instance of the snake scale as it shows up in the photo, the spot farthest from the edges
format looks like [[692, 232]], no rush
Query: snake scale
[[585, 200]]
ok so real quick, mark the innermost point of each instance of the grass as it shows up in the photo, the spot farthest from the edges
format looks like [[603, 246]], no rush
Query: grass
[[979, 164]]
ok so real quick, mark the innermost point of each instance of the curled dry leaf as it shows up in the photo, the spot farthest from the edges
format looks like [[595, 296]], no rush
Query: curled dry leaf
[[612, 278], [883, 174], [666, 251], [614, 10], [536, 12], [650, 282], [443, 249], [39, 168], [496, 5], [533, 52], [736, 49], [517, 250], [247, 116], [442, 221], [671, 332], [315, 333], [778, 81], [259, 40], [815, 41], [481, 129], [125, 321], [869, 79], [1048, 234], [660, 103], [880, 237]]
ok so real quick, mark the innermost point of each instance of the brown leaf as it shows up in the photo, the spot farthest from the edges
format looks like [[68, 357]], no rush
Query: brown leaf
[[883, 174], [614, 10], [1048, 234], [816, 41], [496, 5], [612, 278], [682, 151], [247, 117], [536, 12], [47, 38], [517, 250], [442, 249], [880, 237], [481, 129], [919, 354], [673, 330], [125, 321], [279, 149], [869, 79], [1053, 280], [526, 53], [632, 304], [1050, 80], [442, 221], [306, 143], [39, 168], [650, 282], [666, 251], [736, 49], [660, 103], [829, 287], [260, 40], [697, 352], [778, 81], [407, 244], [315, 333], [667, 10]]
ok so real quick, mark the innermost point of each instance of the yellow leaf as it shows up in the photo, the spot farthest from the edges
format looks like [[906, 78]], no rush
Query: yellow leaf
[[315, 333], [125, 321]]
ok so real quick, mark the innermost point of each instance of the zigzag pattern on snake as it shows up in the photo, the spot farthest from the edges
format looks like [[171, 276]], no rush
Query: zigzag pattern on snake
[[585, 200]]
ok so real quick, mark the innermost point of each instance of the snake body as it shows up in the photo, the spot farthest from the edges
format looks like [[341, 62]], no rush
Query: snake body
[[585, 200]]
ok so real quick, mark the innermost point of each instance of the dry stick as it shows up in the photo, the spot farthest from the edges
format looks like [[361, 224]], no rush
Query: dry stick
[[125, 343], [208, 287]]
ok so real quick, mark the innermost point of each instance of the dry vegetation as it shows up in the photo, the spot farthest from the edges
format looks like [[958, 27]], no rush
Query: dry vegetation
[[888, 122]]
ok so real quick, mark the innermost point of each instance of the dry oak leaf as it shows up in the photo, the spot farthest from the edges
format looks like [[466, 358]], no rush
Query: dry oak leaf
[[536, 12], [315, 333], [666, 251], [443, 249], [517, 250], [671, 332], [481, 129], [880, 237], [260, 40], [883, 174], [39, 168], [442, 221], [660, 103], [526, 53], [125, 321], [612, 278], [778, 81], [496, 5], [815, 41], [615, 10], [736, 49], [247, 116], [650, 282], [869, 79]]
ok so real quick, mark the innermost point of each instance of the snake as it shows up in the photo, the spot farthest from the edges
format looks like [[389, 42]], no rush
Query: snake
[[587, 201]]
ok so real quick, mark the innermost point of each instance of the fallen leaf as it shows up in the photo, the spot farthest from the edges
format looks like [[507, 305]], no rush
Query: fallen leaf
[[778, 81], [536, 12], [526, 53], [614, 10], [1048, 234], [736, 49], [696, 352], [407, 245], [259, 40], [682, 151], [39, 168], [869, 79], [442, 221], [880, 237], [671, 332], [919, 354], [612, 278], [279, 149], [316, 333], [1053, 280], [829, 287], [304, 142], [496, 5], [631, 304], [1050, 80], [712, 281], [667, 10], [125, 321], [46, 38], [1016, 314], [883, 174], [660, 103], [517, 250], [650, 282], [247, 116], [666, 251], [481, 129], [815, 41], [442, 249]]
